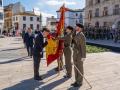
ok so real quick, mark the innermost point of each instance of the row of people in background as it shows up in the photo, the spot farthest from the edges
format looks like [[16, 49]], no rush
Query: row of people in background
[[35, 44], [28, 37], [14, 33], [102, 33], [8, 33]]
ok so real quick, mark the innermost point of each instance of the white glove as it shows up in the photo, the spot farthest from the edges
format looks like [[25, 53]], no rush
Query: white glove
[[83, 59]]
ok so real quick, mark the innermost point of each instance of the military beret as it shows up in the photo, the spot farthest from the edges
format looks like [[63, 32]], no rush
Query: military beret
[[46, 30], [70, 28], [80, 25]]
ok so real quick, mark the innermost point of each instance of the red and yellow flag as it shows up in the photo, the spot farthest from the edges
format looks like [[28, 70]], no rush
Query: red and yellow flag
[[61, 23], [55, 46]]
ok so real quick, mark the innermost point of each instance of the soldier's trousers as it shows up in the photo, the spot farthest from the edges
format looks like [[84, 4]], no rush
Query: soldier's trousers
[[79, 64], [68, 64], [36, 64]]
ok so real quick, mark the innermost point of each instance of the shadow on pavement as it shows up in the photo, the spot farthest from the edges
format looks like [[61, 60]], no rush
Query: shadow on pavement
[[49, 73], [29, 84], [12, 49], [52, 85], [14, 60]]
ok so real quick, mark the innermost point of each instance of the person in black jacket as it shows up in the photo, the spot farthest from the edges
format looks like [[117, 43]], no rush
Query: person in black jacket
[[28, 40], [38, 51]]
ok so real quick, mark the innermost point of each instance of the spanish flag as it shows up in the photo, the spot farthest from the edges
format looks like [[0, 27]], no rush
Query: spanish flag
[[55, 46]]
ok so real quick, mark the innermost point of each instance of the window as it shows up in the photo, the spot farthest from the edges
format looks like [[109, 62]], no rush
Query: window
[[97, 12], [76, 14], [52, 23], [105, 24], [116, 10], [90, 14], [13, 18], [16, 26], [24, 18], [81, 15], [38, 19], [118, 24], [31, 18], [80, 21], [97, 1], [16, 18], [38, 26], [24, 26], [97, 24], [0, 24], [0, 3], [31, 26], [1, 16], [105, 11], [76, 21]]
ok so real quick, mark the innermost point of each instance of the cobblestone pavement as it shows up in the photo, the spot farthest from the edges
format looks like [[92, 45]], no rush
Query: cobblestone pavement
[[16, 70]]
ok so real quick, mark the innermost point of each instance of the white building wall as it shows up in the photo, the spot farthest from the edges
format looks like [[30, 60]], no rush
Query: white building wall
[[20, 21], [71, 18], [51, 23]]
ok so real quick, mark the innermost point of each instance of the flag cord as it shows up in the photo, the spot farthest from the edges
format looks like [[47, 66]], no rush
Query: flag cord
[[82, 76]]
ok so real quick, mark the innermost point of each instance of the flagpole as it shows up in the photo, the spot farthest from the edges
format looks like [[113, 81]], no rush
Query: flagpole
[[60, 63]]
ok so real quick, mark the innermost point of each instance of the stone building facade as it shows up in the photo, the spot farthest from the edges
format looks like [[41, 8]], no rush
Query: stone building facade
[[9, 11], [102, 12]]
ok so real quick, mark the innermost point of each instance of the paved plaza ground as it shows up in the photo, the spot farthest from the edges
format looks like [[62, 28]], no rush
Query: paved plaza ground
[[102, 70]]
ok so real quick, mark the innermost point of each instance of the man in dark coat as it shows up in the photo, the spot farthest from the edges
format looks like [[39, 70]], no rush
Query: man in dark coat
[[28, 40], [38, 52]]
